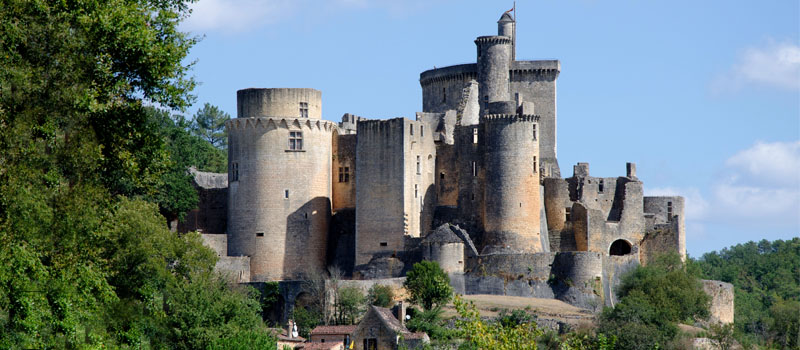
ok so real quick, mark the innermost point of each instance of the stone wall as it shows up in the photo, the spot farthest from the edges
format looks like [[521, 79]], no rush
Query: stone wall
[[211, 214], [234, 268], [450, 256], [395, 193], [722, 298], [446, 175], [344, 172], [217, 242], [278, 102], [494, 61], [279, 198]]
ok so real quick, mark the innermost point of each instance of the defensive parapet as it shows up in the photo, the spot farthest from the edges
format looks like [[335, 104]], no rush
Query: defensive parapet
[[279, 175], [511, 195]]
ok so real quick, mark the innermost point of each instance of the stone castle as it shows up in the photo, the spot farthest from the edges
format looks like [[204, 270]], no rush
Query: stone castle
[[473, 183]]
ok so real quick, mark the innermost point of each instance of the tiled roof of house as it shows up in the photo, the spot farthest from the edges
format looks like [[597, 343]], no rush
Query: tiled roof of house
[[328, 330]]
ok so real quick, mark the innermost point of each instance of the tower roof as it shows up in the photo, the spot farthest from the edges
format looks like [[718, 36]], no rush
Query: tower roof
[[506, 17]]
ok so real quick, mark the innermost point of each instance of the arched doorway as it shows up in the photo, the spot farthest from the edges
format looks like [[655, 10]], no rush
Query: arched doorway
[[620, 247]]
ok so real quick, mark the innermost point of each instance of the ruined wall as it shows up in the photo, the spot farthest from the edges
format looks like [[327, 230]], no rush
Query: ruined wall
[[511, 195], [279, 198], [665, 226], [278, 102], [344, 172], [722, 298], [573, 277], [234, 268]]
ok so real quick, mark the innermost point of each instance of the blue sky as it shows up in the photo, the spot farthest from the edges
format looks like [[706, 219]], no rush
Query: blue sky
[[703, 95]]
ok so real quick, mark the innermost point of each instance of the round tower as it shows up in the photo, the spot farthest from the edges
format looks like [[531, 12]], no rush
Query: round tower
[[511, 194], [507, 26], [494, 63], [279, 153]]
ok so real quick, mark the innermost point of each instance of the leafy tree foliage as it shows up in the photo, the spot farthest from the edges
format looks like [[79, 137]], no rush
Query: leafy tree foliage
[[485, 335], [380, 295], [84, 261], [653, 299], [430, 322], [209, 124], [349, 305], [428, 285], [766, 278]]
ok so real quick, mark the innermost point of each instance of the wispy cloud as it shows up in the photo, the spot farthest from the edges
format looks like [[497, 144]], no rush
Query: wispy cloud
[[758, 185], [773, 64]]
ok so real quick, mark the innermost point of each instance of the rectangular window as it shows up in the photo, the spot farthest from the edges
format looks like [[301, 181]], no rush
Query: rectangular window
[[234, 175], [444, 95], [295, 140], [535, 168], [474, 135], [516, 98], [347, 174], [669, 210], [416, 190], [568, 213], [534, 132], [474, 169], [286, 194], [384, 244], [422, 130], [419, 166], [441, 176], [303, 109], [601, 186], [371, 344], [259, 234], [412, 130]]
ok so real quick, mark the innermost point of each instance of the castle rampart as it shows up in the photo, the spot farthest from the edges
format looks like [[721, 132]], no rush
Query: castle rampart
[[279, 102]]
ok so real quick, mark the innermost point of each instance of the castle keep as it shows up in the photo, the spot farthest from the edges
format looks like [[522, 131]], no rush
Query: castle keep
[[472, 182]]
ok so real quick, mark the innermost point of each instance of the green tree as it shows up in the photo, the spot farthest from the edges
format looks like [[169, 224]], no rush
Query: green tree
[[428, 285], [485, 335], [349, 305], [381, 295], [209, 124], [652, 300]]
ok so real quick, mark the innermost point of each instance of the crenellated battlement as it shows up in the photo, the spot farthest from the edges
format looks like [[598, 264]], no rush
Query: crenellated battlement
[[493, 39], [509, 118], [279, 123]]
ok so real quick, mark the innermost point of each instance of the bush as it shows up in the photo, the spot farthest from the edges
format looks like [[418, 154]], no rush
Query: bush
[[381, 295]]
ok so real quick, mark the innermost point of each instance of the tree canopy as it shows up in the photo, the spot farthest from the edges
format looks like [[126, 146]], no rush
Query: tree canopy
[[85, 258], [428, 285]]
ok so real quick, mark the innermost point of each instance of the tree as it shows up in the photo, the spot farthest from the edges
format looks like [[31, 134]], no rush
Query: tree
[[349, 305], [428, 285], [484, 335], [652, 299], [380, 295], [209, 124]]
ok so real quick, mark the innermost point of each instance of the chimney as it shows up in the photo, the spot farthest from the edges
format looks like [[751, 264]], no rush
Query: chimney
[[631, 170], [400, 312]]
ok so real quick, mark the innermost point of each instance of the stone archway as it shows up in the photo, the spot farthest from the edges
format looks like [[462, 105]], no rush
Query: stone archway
[[620, 247]]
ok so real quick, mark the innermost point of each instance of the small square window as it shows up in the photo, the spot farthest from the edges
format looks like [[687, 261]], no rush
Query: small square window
[[303, 109], [259, 234], [384, 244]]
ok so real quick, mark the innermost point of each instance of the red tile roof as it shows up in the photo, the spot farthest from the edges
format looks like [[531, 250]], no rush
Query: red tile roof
[[334, 330]]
